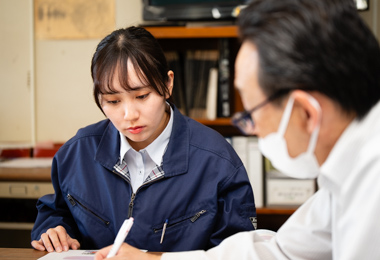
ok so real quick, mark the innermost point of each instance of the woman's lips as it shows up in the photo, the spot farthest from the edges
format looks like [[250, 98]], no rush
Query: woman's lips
[[135, 130]]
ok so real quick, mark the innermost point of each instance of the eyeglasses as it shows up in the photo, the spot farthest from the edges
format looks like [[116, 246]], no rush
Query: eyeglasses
[[243, 120]]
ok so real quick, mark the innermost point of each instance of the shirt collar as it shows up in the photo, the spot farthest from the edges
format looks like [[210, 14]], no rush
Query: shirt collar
[[343, 156], [124, 146], [157, 148]]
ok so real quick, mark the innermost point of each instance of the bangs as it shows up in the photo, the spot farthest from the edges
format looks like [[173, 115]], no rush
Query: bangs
[[104, 82]]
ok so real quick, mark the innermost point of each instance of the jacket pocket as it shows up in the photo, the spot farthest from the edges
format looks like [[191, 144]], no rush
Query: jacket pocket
[[179, 222], [74, 202]]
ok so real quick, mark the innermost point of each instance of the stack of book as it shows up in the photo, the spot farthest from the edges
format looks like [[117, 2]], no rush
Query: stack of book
[[248, 151], [202, 81]]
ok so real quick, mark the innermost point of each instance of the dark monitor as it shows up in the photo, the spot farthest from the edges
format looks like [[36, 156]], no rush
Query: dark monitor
[[191, 10]]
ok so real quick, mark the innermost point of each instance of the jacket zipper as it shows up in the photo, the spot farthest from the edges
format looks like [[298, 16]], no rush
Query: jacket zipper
[[133, 196], [192, 219], [196, 216], [130, 208], [74, 201]]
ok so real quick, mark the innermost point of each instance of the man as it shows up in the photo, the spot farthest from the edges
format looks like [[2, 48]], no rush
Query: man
[[308, 72]]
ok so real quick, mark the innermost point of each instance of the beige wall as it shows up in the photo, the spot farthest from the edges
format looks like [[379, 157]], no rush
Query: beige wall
[[64, 101]]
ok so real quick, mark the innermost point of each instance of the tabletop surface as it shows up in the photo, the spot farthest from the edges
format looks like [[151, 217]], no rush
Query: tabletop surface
[[20, 253], [25, 174]]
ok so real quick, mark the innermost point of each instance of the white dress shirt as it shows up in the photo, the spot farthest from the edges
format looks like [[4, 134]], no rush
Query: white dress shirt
[[141, 163], [341, 220]]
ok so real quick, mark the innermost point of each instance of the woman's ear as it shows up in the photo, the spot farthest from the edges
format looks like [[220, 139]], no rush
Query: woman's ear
[[311, 107], [170, 83]]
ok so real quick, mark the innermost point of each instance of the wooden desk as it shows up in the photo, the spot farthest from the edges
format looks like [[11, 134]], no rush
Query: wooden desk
[[25, 174], [20, 253]]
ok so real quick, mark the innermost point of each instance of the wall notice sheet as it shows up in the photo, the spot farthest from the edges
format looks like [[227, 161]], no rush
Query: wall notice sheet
[[73, 19], [70, 255]]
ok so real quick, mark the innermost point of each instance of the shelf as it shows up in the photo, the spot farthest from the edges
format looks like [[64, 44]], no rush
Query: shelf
[[221, 125], [216, 122], [276, 211], [193, 32], [182, 39]]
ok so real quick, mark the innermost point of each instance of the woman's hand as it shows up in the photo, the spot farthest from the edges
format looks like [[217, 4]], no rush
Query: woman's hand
[[127, 252], [55, 239]]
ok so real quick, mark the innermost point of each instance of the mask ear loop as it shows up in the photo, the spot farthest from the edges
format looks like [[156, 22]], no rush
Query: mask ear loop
[[286, 116], [314, 135]]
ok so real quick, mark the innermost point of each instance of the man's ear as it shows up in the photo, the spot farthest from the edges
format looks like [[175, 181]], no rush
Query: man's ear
[[170, 83], [310, 106]]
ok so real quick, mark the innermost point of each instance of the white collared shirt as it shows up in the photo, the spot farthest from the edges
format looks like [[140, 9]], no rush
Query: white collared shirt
[[141, 163], [340, 221]]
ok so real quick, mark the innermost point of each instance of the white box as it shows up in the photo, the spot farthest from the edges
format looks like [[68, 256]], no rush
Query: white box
[[285, 191]]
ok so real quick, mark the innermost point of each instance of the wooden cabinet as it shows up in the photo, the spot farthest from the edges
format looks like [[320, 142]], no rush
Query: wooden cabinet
[[194, 38], [19, 190]]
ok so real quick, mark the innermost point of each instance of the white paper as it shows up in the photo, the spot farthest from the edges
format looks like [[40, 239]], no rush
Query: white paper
[[70, 255]]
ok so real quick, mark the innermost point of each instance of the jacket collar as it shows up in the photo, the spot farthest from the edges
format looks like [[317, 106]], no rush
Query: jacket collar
[[176, 157], [107, 153]]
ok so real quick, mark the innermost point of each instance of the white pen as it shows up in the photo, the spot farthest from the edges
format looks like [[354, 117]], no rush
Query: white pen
[[163, 230], [121, 235]]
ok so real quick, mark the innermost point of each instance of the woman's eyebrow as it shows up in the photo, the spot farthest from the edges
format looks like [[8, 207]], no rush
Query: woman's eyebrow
[[130, 89], [110, 92], [137, 88]]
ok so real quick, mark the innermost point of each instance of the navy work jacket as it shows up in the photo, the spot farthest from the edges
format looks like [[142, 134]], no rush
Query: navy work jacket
[[205, 193]]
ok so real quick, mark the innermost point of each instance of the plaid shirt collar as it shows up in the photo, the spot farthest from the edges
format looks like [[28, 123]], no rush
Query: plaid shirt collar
[[155, 150], [122, 169]]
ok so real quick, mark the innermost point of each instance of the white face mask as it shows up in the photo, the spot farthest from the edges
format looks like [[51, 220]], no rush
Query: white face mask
[[273, 146]]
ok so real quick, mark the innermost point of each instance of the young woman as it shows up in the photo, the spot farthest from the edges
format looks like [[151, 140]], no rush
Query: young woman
[[183, 184]]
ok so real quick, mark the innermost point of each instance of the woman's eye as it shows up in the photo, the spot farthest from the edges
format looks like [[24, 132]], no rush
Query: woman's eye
[[113, 101], [143, 96]]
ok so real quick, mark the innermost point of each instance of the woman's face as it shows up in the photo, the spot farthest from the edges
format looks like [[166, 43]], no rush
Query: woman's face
[[139, 114]]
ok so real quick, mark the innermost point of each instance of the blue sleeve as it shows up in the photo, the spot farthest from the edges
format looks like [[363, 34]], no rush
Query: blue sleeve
[[236, 207], [53, 211]]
